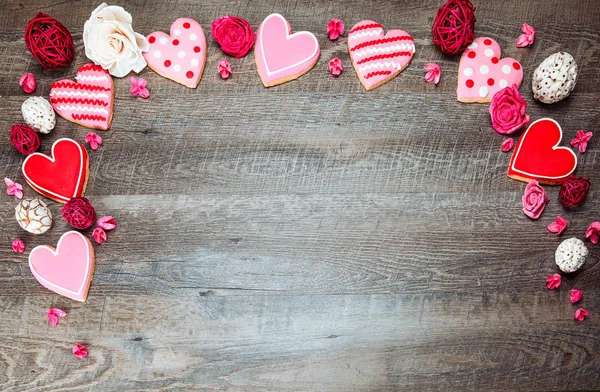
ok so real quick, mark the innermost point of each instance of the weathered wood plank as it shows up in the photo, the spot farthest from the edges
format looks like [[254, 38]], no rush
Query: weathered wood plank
[[333, 239]]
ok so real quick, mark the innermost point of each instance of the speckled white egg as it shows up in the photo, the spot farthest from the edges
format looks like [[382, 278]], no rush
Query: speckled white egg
[[33, 216], [555, 78], [38, 114], [570, 255]]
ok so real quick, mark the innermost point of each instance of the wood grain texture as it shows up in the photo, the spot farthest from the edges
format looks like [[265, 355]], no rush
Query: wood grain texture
[[309, 236]]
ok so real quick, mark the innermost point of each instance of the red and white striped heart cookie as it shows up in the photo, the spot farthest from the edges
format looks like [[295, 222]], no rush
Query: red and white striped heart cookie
[[378, 58], [87, 102]]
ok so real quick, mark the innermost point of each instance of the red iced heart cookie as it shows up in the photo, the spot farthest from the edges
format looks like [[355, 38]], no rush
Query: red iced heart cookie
[[180, 56], [378, 58], [537, 155], [482, 73], [61, 176], [87, 102], [66, 270], [282, 56]]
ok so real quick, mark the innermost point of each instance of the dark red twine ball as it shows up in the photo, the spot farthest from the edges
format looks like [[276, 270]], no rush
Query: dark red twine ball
[[24, 139], [454, 25], [49, 41], [573, 191], [79, 213]]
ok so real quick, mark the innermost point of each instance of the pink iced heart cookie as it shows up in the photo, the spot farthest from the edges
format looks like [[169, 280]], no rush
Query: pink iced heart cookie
[[482, 73], [87, 102], [378, 58], [282, 56], [66, 270], [180, 56]]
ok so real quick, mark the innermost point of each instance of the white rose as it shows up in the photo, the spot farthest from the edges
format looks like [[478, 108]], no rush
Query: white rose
[[111, 42]]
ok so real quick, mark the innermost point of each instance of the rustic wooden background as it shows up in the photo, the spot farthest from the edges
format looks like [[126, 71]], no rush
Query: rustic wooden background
[[310, 236]]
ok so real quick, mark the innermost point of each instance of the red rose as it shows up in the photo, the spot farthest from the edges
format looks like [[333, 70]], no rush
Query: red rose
[[508, 111], [233, 34]]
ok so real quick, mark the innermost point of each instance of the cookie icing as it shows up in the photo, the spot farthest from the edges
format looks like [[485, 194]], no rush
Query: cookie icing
[[61, 176], [280, 55], [66, 269], [181, 55], [89, 101], [538, 156], [378, 58], [482, 73]]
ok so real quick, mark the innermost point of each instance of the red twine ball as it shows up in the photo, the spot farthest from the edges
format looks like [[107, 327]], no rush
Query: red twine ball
[[79, 213], [573, 191], [24, 139], [453, 27], [49, 41]]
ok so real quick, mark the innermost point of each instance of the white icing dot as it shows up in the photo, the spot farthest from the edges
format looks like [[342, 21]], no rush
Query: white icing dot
[[195, 62], [503, 83], [193, 37], [506, 69], [177, 68], [484, 69], [163, 40], [473, 45], [468, 71], [483, 91], [177, 32], [489, 52], [157, 53], [181, 54]]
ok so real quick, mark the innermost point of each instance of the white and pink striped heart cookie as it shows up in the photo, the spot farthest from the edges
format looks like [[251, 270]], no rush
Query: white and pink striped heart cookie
[[378, 58], [482, 73], [87, 102]]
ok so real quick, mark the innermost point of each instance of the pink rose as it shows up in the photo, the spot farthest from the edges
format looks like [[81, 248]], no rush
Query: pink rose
[[534, 200], [233, 34], [508, 111]]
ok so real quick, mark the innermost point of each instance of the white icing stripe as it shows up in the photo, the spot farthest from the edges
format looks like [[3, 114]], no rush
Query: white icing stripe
[[384, 49], [82, 109], [58, 93], [367, 33], [368, 67], [91, 78]]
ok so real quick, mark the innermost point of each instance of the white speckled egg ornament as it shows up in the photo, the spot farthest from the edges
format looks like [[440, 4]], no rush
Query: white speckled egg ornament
[[38, 114], [33, 216], [555, 78], [570, 255]]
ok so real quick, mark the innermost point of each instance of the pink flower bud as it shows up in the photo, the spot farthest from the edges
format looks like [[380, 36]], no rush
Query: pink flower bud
[[28, 83], [18, 246], [576, 296]]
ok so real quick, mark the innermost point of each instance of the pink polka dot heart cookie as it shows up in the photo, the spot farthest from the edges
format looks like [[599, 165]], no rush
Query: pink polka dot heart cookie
[[180, 56], [482, 73]]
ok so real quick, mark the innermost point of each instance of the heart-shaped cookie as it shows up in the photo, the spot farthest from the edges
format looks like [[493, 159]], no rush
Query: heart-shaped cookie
[[180, 56], [378, 58], [282, 56], [66, 270], [61, 176], [537, 155], [87, 102], [482, 73]]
